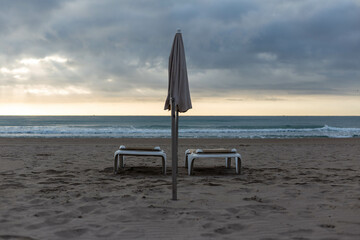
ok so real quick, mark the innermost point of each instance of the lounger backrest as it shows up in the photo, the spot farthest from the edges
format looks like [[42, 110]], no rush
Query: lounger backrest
[[122, 147], [215, 151]]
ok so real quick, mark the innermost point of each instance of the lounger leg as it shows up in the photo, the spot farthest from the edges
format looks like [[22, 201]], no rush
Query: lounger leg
[[190, 165], [163, 165], [187, 152], [116, 163], [238, 165], [228, 162], [122, 158]]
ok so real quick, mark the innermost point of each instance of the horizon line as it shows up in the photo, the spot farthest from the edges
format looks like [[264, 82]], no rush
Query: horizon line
[[96, 115]]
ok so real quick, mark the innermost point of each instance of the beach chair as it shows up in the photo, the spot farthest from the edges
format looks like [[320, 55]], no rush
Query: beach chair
[[119, 156], [192, 154]]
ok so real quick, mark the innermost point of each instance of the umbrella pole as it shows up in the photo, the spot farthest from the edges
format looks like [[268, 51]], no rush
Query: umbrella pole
[[177, 138], [173, 150]]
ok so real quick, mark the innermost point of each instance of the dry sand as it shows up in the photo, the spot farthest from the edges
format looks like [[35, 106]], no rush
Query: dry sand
[[288, 189]]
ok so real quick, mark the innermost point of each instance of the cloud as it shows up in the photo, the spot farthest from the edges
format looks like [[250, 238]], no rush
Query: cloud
[[119, 49], [267, 56]]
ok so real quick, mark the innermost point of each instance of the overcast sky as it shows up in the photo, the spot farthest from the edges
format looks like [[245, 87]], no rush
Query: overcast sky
[[111, 50]]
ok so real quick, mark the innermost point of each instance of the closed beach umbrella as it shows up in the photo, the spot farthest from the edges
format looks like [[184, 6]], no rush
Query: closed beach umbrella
[[178, 98]]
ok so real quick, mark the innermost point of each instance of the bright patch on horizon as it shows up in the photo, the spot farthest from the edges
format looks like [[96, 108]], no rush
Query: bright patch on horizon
[[28, 68], [56, 59], [30, 61], [35, 61], [17, 73], [50, 91], [21, 70]]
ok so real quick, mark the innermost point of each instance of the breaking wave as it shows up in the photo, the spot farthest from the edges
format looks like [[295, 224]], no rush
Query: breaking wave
[[185, 132]]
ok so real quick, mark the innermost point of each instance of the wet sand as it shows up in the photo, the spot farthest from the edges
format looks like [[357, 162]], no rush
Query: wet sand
[[288, 189]]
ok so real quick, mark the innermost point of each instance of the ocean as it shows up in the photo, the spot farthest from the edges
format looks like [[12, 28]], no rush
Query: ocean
[[189, 127]]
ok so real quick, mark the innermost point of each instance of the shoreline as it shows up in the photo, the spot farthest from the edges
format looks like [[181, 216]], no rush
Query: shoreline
[[169, 138], [55, 188]]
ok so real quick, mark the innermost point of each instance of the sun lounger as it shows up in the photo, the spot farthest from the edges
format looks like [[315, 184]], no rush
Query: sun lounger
[[192, 154], [119, 155]]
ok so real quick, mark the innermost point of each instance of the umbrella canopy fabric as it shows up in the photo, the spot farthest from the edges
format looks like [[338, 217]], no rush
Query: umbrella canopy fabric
[[178, 79]]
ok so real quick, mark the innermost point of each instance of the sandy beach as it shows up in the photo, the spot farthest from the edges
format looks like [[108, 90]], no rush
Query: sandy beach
[[288, 189]]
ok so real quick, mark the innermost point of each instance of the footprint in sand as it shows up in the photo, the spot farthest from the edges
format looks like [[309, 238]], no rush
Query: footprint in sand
[[42, 214], [107, 170], [87, 209], [53, 171], [15, 237], [44, 155], [253, 198], [212, 184], [232, 210], [292, 192], [297, 232], [13, 185], [208, 235], [327, 226], [267, 207], [207, 225], [57, 220], [71, 233], [230, 228], [127, 197]]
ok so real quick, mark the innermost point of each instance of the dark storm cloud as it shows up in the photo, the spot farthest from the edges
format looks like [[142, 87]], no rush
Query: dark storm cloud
[[113, 47], [325, 44], [328, 35]]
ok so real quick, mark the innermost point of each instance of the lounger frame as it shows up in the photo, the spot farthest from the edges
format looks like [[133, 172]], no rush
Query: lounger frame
[[119, 157], [190, 156]]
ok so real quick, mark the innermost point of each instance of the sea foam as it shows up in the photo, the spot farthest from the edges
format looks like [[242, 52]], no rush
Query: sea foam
[[151, 132]]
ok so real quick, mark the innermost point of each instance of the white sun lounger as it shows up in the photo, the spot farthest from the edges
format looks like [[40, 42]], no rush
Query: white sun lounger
[[119, 156], [192, 154]]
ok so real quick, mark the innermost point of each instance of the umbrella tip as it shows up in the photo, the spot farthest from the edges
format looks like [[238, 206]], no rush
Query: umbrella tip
[[178, 30]]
